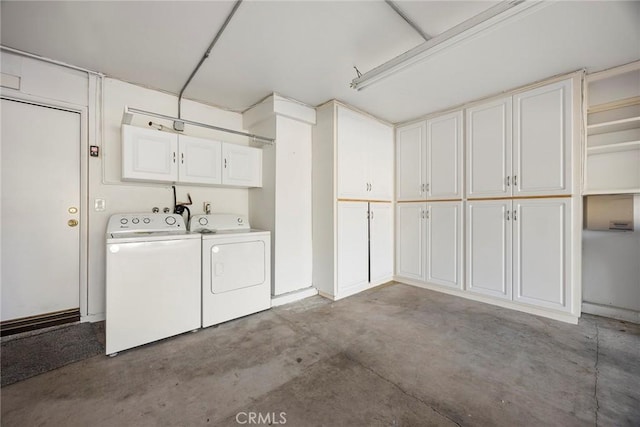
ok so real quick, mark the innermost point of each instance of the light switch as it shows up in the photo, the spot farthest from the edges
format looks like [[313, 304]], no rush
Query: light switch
[[100, 205]]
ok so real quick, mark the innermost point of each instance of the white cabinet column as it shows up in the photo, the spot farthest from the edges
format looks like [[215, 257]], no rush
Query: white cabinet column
[[444, 244], [411, 155], [380, 241], [411, 240], [353, 245], [444, 156]]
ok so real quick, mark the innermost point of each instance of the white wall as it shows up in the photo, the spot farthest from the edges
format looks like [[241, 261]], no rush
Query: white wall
[[47, 81], [611, 268]]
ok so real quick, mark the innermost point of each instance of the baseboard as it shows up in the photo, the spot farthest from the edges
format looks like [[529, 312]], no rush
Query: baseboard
[[562, 317], [93, 318], [24, 324], [290, 297], [612, 312]]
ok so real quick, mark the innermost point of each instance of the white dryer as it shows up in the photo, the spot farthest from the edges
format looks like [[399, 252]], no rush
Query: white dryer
[[152, 279], [236, 267]]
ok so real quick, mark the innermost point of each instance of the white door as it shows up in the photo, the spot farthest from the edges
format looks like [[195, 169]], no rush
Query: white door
[[352, 155], [542, 252], [242, 166], [444, 244], [489, 149], [200, 160], [149, 154], [40, 195], [411, 157], [410, 240], [488, 248], [353, 245], [380, 161], [380, 242], [542, 128], [444, 156]]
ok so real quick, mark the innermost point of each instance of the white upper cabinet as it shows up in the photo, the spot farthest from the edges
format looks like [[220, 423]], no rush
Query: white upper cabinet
[[489, 149], [200, 160], [242, 166], [444, 244], [153, 155], [364, 157], [411, 154], [411, 240], [149, 154], [444, 156], [380, 241], [521, 145], [542, 136]]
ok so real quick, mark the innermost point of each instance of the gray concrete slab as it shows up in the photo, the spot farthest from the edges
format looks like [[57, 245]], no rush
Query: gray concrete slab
[[392, 356]]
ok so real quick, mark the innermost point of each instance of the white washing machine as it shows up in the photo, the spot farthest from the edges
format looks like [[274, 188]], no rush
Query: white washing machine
[[152, 279], [236, 267]]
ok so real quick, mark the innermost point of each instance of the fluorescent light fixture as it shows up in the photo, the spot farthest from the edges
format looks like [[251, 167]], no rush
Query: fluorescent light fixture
[[452, 36]]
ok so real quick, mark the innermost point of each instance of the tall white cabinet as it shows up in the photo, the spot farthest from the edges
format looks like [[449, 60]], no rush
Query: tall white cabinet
[[352, 201], [511, 236]]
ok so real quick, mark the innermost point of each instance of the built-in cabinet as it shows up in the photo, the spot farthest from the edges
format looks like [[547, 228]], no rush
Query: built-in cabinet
[[363, 155], [519, 250], [429, 242], [352, 177], [153, 155], [429, 159], [511, 234], [521, 145]]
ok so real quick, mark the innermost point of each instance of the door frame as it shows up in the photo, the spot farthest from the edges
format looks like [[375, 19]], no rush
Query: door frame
[[83, 110]]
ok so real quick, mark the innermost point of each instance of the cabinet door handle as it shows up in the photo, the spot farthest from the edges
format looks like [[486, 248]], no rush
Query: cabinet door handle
[[515, 180], [182, 158], [507, 215], [422, 190], [427, 188], [225, 163], [422, 214], [371, 214], [174, 157], [515, 214], [508, 181], [427, 213]]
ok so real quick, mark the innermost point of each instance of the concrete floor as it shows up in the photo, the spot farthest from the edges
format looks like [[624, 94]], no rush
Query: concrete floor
[[392, 356]]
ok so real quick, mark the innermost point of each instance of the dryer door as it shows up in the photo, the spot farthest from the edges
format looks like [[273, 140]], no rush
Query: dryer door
[[237, 265]]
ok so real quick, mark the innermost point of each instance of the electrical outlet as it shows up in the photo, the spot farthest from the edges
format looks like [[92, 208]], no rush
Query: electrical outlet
[[99, 205], [206, 207]]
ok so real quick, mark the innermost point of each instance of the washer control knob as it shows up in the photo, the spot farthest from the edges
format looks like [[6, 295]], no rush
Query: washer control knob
[[170, 220], [135, 220], [203, 221], [123, 221], [146, 220]]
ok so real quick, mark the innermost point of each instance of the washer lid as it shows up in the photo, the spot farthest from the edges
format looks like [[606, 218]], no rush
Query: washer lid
[[154, 236]]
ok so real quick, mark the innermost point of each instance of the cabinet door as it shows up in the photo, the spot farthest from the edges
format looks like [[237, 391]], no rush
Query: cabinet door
[[444, 156], [411, 157], [542, 252], [489, 149], [410, 240], [444, 244], [379, 152], [542, 140], [380, 242], [242, 166], [353, 245], [488, 248], [149, 154], [200, 160], [352, 155]]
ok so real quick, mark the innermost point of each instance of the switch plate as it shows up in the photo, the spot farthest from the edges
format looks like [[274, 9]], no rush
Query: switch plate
[[100, 205]]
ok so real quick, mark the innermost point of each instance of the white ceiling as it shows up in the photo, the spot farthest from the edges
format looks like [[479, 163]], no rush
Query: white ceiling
[[306, 49]]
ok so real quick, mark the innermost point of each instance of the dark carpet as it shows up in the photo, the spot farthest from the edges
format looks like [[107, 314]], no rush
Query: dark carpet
[[34, 354]]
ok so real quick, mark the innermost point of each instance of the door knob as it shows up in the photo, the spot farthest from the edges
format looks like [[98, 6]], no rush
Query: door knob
[[72, 222]]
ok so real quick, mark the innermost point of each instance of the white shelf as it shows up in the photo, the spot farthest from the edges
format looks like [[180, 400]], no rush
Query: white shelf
[[614, 125], [611, 191], [612, 148]]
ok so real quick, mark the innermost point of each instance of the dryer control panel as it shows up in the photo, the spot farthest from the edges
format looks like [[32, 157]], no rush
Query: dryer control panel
[[218, 222], [145, 223]]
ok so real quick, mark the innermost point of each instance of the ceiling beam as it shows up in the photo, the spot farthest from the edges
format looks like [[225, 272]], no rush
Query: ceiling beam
[[472, 26], [408, 20]]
